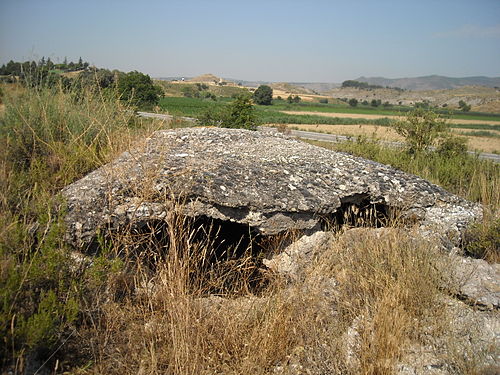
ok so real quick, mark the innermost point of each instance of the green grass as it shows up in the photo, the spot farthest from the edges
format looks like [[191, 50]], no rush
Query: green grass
[[175, 89], [271, 116], [191, 107], [481, 133], [368, 110], [49, 138]]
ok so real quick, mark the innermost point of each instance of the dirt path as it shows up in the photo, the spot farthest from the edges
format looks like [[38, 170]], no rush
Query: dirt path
[[374, 117]]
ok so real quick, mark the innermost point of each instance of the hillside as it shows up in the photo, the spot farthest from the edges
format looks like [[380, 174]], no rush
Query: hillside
[[432, 82], [290, 88], [479, 97], [206, 78]]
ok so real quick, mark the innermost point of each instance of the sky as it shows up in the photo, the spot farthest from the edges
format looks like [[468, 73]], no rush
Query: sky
[[271, 40]]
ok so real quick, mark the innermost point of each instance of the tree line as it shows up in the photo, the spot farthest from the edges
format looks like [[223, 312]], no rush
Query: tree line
[[134, 87], [19, 69], [366, 85]]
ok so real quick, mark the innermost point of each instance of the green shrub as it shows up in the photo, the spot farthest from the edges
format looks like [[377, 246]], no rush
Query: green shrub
[[240, 113], [420, 129], [452, 146], [353, 102], [483, 240], [138, 89]]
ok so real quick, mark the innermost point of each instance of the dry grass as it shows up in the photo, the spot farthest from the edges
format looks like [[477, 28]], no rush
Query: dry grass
[[358, 306]]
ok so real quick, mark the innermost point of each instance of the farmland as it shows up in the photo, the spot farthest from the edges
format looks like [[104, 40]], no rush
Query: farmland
[[481, 129]]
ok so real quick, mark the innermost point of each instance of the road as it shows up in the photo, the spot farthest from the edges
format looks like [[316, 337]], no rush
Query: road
[[323, 137], [342, 138]]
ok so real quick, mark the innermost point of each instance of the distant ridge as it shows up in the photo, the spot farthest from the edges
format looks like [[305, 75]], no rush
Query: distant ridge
[[206, 78], [432, 82]]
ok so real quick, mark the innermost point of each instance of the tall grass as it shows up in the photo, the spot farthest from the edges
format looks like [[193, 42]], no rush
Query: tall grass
[[49, 138]]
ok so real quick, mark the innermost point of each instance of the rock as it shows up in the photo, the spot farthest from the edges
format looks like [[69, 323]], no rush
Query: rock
[[263, 180], [478, 282], [296, 257], [469, 340]]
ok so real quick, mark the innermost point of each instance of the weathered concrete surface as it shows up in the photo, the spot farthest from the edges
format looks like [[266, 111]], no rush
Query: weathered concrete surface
[[478, 282], [267, 181]]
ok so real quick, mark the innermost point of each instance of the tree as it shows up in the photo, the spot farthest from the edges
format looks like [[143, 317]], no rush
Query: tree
[[353, 102], [375, 102], [464, 106], [138, 88], [50, 64], [263, 95], [421, 128]]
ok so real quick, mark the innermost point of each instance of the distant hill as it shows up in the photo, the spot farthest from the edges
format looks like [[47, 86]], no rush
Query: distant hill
[[433, 82], [287, 87], [206, 78]]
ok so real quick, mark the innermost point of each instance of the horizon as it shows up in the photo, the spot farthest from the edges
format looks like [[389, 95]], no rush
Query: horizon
[[367, 77], [272, 41]]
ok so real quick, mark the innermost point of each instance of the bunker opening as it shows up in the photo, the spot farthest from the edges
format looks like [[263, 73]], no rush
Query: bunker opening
[[359, 211], [222, 257]]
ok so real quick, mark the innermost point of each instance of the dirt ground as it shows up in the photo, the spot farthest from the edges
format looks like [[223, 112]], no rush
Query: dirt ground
[[482, 144], [374, 117]]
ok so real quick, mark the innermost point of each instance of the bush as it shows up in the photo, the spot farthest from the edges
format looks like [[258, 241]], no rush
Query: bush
[[353, 102], [483, 240], [263, 95], [293, 99], [451, 146], [240, 113], [323, 101], [420, 129], [464, 106]]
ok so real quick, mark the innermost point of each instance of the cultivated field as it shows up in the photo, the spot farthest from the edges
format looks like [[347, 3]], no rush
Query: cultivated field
[[393, 117], [490, 144]]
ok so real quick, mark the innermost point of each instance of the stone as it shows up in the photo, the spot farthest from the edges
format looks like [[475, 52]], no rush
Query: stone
[[478, 282], [293, 261], [267, 181]]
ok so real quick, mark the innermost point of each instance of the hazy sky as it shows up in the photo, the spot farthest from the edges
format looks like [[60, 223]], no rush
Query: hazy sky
[[323, 41]]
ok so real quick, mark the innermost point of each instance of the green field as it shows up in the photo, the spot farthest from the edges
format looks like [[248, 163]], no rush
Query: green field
[[368, 110], [193, 107]]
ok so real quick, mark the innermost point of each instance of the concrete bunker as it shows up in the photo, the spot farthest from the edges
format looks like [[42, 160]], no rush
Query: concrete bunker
[[247, 190]]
